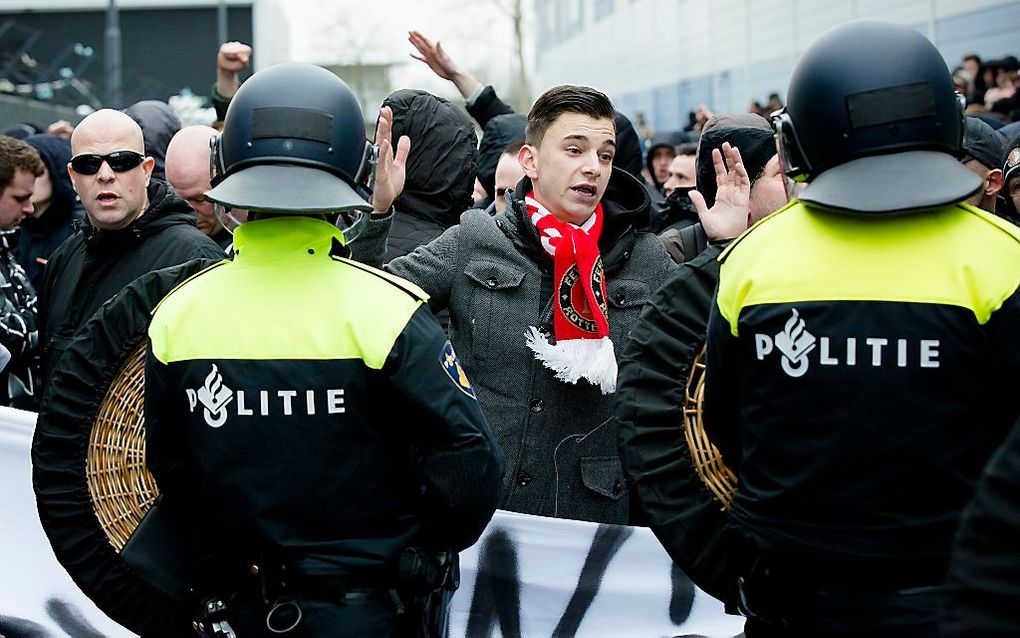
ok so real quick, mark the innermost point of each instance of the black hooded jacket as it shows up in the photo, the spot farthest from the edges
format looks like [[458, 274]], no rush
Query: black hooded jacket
[[93, 265], [40, 236], [440, 169], [667, 139]]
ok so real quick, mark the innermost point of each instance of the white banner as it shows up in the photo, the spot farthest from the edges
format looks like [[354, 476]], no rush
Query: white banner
[[535, 576], [527, 576]]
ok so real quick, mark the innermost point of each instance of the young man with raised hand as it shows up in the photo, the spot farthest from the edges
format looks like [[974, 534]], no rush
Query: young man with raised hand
[[541, 297]]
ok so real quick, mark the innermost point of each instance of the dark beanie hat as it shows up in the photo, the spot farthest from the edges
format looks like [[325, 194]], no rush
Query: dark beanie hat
[[982, 143], [750, 133]]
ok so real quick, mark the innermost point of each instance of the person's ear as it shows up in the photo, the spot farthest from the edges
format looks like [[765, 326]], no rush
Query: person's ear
[[993, 182], [71, 174], [528, 158], [147, 165]]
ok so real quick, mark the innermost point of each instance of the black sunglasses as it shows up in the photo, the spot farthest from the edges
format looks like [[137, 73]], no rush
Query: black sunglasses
[[119, 161]]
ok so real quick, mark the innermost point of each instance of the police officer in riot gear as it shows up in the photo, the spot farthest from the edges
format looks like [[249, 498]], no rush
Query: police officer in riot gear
[[860, 347], [325, 441]]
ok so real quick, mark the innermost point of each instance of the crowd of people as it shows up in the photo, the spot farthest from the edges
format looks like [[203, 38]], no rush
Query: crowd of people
[[578, 265]]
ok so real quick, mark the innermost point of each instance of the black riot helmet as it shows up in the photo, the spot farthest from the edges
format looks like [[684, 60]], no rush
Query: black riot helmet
[[872, 121], [293, 141]]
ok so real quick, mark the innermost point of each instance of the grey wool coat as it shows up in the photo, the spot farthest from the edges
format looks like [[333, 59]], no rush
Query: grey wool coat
[[492, 275]]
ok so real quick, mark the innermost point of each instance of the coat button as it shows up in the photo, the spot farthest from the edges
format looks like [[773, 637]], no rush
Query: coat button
[[492, 282], [617, 488], [626, 254], [621, 298], [536, 405], [523, 479]]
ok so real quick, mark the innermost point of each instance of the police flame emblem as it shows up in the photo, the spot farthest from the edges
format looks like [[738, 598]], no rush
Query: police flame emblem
[[451, 365]]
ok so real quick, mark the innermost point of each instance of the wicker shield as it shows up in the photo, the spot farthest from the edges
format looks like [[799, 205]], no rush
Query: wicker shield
[[95, 496], [718, 478]]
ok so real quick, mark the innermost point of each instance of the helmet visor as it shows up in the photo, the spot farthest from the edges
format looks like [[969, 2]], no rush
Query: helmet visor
[[287, 188]]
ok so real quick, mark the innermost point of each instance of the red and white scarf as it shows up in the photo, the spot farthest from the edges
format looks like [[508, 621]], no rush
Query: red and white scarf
[[583, 349]]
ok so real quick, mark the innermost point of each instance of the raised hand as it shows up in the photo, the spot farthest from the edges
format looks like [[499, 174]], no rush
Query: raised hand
[[233, 57], [433, 54], [390, 170], [728, 216]]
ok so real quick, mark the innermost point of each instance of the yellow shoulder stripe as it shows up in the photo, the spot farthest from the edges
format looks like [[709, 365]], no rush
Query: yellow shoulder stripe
[[957, 255]]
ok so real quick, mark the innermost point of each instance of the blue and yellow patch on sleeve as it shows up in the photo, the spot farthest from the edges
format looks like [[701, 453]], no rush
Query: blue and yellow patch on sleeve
[[451, 365]]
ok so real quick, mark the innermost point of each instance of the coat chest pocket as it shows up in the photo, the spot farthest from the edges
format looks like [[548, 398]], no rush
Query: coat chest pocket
[[628, 293], [494, 304], [603, 475]]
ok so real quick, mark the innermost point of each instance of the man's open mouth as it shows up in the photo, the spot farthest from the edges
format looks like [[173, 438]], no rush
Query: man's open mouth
[[585, 189], [107, 197]]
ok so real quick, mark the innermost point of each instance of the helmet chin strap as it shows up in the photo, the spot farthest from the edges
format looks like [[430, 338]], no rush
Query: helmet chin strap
[[226, 217], [355, 222], [352, 223]]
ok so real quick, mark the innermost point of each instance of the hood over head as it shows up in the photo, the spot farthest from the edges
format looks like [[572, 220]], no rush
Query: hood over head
[[499, 133], [628, 147], [159, 124], [669, 139], [441, 166], [55, 153]]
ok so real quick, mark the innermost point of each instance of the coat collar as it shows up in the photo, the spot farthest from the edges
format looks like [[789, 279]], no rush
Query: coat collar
[[626, 205], [285, 238]]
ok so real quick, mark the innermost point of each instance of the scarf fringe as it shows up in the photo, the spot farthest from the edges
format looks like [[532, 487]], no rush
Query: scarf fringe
[[593, 360]]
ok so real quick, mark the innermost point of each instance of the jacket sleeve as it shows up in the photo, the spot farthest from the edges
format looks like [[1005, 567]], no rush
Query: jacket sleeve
[[1001, 332], [166, 444], [487, 106], [219, 102], [460, 461], [983, 586], [722, 395], [432, 267], [369, 247], [18, 325]]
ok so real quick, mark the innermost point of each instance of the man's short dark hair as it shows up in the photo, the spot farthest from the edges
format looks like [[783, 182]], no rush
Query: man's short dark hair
[[562, 99], [17, 155]]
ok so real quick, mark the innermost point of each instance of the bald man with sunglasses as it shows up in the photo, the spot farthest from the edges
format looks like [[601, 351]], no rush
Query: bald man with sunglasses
[[134, 224]]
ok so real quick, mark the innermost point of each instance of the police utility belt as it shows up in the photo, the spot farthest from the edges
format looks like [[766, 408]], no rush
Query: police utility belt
[[419, 598]]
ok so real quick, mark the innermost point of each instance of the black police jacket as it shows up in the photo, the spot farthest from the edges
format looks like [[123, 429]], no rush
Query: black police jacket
[[860, 373], [331, 421]]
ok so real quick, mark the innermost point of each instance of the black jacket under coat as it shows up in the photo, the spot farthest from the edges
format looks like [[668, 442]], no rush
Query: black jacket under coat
[[93, 265]]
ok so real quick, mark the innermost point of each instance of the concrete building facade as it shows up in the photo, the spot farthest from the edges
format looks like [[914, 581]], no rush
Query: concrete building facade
[[663, 58]]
